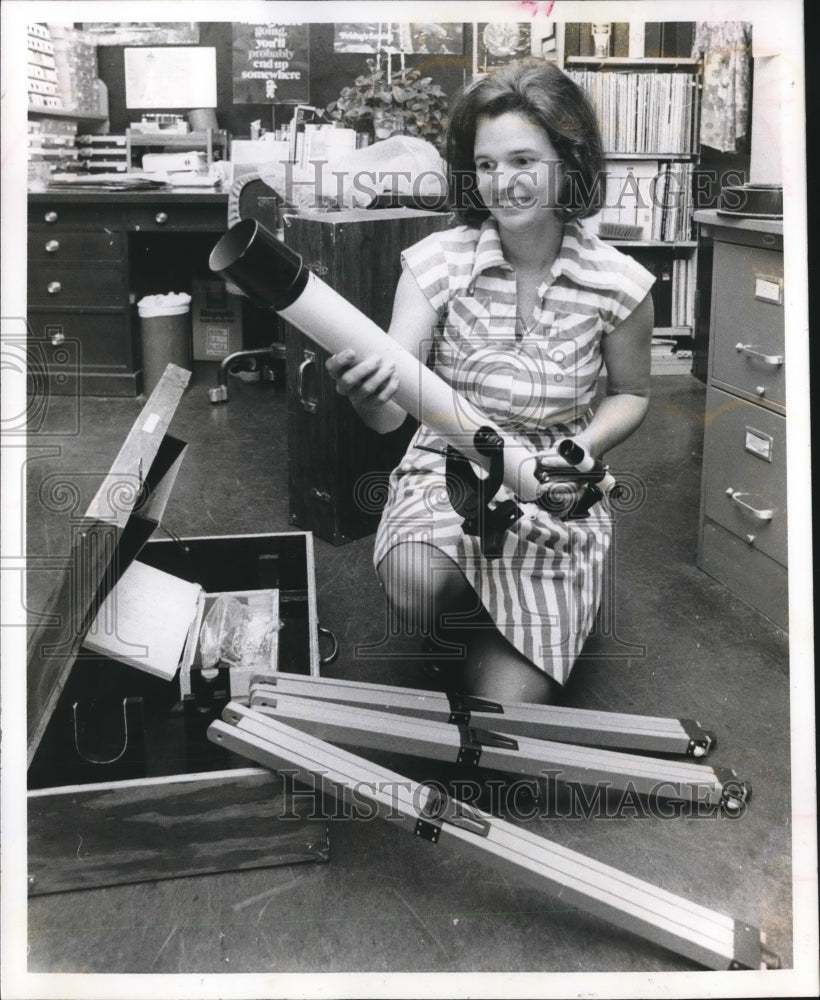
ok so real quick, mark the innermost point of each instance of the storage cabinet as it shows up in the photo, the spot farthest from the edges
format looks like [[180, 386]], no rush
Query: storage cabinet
[[743, 520], [78, 306], [338, 467], [89, 260]]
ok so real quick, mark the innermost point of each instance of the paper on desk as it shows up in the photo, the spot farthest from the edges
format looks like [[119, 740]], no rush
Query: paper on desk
[[144, 620]]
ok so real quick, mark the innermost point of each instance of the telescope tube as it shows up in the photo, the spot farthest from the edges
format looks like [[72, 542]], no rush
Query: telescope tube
[[592, 468], [274, 277]]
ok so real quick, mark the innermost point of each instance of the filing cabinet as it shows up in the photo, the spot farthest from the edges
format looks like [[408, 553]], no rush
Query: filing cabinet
[[743, 518]]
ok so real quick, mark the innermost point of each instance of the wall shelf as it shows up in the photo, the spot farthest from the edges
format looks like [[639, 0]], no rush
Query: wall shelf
[[650, 156], [77, 116], [624, 62], [655, 244]]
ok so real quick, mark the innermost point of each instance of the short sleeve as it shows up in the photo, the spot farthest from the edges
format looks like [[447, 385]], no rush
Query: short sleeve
[[632, 282], [427, 262]]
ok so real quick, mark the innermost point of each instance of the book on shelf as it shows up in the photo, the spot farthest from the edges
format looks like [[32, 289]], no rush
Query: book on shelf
[[642, 112], [683, 292]]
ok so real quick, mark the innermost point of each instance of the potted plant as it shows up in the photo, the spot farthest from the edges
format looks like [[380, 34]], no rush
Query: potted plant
[[408, 104]]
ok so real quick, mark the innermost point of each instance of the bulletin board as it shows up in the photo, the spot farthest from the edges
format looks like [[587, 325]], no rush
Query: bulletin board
[[271, 63], [170, 76]]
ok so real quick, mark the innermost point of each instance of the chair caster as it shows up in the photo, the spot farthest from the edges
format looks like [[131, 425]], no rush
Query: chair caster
[[219, 394]]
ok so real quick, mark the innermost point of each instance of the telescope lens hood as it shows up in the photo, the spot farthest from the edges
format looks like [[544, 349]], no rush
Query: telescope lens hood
[[268, 272]]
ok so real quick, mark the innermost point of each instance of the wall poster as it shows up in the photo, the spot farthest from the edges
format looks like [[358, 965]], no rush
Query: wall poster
[[271, 63], [411, 38], [170, 77], [497, 43], [142, 32]]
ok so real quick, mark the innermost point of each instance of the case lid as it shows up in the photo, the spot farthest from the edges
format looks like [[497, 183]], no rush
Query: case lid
[[123, 514]]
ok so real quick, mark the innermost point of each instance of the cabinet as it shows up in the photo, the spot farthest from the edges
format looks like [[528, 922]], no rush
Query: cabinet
[[78, 308], [91, 255], [338, 467], [649, 113], [743, 522]]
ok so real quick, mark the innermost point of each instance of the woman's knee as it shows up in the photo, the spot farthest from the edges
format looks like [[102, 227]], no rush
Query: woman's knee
[[422, 583]]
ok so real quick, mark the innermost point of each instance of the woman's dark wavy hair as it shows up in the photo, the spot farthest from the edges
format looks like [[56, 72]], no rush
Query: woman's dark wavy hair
[[545, 95]]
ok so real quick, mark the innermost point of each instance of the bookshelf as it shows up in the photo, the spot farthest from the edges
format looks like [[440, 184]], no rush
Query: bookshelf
[[649, 113]]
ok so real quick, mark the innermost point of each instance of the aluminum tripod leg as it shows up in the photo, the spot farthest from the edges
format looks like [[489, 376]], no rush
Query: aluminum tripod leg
[[645, 733], [469, 745], [705, 936]]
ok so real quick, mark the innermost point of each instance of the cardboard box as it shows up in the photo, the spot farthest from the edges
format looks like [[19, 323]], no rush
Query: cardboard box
[[216, 321]]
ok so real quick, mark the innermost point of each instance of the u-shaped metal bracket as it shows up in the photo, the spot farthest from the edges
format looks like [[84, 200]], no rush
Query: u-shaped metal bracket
[[128, 706]]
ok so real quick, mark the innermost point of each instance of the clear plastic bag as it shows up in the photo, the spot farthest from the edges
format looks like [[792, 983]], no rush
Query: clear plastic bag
[[233, 636]]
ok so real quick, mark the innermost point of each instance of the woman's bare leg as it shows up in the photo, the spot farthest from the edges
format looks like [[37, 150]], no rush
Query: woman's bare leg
[[494, 669], [431, 597]]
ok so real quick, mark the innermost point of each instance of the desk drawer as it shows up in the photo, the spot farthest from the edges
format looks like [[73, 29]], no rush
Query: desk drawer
[[77, 215], [97, 340], [189, 218], [744, 472], [49, 245], [748, 327], [76, 283]]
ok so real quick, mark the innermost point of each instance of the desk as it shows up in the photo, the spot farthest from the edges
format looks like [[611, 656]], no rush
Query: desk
[[91, 256]]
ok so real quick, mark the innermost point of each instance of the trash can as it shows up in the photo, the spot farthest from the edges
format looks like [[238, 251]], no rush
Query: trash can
[[165, 335]]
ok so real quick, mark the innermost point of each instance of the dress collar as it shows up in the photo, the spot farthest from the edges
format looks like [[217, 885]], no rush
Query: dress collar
[[489, 252]]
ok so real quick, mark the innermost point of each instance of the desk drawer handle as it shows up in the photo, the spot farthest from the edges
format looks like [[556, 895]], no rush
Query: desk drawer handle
[[764, 514], [51, 217], [54, 288], [308, 404], [161, 218], [775, 360], [52, 246]]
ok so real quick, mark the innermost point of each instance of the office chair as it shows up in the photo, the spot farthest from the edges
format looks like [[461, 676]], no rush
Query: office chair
[[251, 197]]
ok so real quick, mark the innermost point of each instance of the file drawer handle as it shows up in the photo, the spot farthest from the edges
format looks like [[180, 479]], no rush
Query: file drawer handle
[[54, 288], [764, 514], [161, 218], [51, 216], [308, 404], [52, 246], [775, 360]]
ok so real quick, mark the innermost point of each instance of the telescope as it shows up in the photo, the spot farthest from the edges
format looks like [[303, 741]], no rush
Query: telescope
[[274, 277]]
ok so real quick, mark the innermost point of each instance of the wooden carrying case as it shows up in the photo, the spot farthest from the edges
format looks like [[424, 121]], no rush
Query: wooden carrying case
[[123, 784]]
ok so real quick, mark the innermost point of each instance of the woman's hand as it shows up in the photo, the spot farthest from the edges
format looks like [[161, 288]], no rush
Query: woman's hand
[[560, 487], [368, 383]]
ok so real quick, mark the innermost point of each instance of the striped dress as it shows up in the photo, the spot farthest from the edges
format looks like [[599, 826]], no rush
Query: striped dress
[[535, 377]]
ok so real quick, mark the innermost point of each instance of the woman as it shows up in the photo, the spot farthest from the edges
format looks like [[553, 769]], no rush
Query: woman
[[518, 308]]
